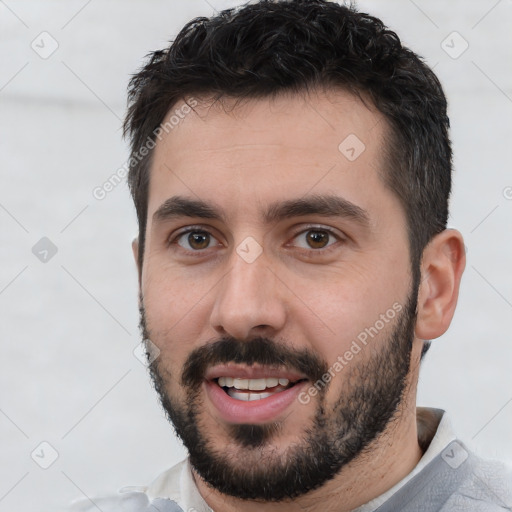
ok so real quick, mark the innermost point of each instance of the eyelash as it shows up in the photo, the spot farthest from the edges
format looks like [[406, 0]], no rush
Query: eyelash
[[191, 229]]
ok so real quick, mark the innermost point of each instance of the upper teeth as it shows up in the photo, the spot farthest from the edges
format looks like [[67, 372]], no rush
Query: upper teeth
[[252, 384]]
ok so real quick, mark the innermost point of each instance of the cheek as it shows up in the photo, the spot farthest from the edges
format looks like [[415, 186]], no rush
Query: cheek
[[170, 294], [354, 305], [172, 316]]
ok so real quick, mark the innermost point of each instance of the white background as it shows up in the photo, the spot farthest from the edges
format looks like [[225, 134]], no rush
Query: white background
[[68, 375]]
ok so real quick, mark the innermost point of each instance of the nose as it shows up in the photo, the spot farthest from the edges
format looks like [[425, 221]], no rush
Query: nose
[[249, 300]]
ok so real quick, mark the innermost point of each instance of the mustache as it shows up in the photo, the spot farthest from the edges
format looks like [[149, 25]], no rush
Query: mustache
[[258, 350]]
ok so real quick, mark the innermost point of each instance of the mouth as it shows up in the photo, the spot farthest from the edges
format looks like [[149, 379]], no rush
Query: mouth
[[252, 394], [249, 390]]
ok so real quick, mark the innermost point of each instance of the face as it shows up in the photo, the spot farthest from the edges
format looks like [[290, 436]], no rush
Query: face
[[276, 284]]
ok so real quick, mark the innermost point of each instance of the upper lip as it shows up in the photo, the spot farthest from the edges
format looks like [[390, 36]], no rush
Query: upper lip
[[238, 371]]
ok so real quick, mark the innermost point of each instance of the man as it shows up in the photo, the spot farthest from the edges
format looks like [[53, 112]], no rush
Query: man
[[291, 169]]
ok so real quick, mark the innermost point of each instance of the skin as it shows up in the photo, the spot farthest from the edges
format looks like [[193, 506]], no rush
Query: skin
[[264, 152]]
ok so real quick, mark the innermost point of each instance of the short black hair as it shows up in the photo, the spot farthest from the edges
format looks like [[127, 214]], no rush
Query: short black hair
[[269, 47]]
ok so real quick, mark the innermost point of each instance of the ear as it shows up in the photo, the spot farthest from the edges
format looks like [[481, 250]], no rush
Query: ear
[[135, 250], [442, 266]]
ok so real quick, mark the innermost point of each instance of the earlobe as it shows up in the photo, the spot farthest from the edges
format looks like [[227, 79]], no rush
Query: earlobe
[[442, 266]]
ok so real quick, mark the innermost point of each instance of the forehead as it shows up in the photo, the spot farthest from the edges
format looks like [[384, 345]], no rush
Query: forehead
[[270, 149]]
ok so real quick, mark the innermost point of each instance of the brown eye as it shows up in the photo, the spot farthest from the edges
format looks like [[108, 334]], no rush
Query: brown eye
[[317, 239], [195, 240], [199, 240]]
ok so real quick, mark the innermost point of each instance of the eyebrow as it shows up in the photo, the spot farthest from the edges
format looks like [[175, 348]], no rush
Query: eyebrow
[[179, 206], [324, 205]]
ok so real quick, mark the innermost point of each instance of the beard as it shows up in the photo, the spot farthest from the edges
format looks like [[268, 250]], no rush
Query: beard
[[371, 392]]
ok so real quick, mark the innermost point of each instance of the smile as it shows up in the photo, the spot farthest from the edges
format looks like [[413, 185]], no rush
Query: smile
[[252, 394], [253, 389]]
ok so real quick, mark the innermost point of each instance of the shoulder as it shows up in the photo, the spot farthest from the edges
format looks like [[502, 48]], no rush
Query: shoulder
[[470, 482], [487, 487], [127, 501], [455, 480], [164, 494]]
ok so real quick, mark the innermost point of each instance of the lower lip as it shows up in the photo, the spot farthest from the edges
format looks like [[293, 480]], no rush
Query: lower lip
[[256, 411]]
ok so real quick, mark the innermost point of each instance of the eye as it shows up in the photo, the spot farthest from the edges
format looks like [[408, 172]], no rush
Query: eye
[[195, 240], [315, 238]]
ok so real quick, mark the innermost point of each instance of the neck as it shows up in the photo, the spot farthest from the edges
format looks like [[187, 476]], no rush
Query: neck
[[390, 458]]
